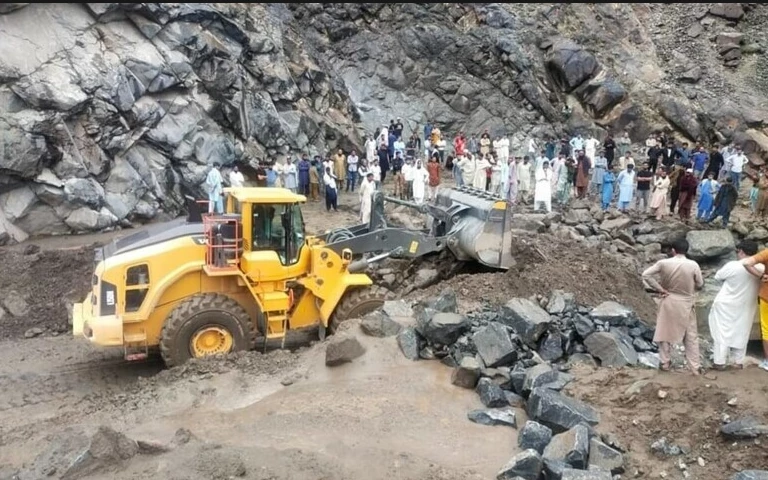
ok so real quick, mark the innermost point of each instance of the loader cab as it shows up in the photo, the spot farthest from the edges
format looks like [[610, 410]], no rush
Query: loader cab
[[262, 229]]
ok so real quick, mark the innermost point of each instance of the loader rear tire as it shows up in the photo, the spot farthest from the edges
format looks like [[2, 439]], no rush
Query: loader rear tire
[[357, 303], [217, 316]]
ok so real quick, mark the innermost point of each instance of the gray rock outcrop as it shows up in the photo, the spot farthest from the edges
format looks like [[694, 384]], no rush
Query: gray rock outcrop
[[110, 113]]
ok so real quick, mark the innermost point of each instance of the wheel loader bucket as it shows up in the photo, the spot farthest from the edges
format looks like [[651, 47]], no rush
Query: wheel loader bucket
[[478, 226]]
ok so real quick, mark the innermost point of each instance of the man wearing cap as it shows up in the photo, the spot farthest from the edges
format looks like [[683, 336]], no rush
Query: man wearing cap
[[367, 189]]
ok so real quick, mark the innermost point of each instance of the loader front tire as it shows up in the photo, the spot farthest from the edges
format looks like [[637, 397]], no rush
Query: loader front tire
[[204, 325], [357, 303]]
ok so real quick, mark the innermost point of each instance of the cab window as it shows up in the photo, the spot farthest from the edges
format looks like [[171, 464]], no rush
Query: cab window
[[279, 228]]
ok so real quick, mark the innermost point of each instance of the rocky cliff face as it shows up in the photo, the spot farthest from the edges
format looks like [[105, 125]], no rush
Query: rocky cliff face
[[110, 113]]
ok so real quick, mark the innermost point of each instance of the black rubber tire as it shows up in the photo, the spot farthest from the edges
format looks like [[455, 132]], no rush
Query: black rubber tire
[[198, 311], [357, 302]]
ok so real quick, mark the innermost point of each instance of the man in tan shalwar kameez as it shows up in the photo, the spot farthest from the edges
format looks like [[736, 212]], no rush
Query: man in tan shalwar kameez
[[340, 168], [678, 280]]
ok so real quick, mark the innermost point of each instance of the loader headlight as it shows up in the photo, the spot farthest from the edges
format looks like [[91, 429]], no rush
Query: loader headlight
[[107, 298]]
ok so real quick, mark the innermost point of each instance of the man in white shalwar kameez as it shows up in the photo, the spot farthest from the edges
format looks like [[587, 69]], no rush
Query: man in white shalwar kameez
[[367, 188], [734, 308], [542, 196], [420, 178], [480, 174]]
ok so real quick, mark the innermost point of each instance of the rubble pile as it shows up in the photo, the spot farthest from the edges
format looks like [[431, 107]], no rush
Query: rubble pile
[[518, 356]]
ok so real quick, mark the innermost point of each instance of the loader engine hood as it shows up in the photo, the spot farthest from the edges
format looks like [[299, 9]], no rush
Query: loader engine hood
[[478, 226], [154, 234]]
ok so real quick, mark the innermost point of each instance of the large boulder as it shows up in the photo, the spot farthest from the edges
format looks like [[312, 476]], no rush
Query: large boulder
[[491, 395], [379, 324], [611, 349], [709, 244], [571, 447], [558, 411], [409, 342], [494, 416], [494, 345], [570, 64], [442, 328], [600, 96], [526, 318], [534, 435], [467, 373], [526, 465], [612, 312], [747, 427], [342, 348], [603, 457]]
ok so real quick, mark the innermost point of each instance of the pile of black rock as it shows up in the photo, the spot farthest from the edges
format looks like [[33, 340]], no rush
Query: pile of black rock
[[518, 356]]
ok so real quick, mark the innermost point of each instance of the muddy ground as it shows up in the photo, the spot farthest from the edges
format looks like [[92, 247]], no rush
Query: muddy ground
[[284, 415]]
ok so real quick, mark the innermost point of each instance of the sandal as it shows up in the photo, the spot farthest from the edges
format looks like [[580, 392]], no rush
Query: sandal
[[720, 368], [665, 368]]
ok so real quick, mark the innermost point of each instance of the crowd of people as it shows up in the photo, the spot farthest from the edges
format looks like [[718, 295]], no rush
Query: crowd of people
[[670, 177]]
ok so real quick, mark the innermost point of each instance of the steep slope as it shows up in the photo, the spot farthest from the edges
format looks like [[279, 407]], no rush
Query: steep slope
[[110, 113]]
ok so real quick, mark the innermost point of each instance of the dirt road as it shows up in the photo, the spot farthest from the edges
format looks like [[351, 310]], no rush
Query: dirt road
[[400, 419]]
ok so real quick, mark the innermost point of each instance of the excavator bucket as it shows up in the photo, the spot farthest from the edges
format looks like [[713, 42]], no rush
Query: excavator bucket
[[478, 225]]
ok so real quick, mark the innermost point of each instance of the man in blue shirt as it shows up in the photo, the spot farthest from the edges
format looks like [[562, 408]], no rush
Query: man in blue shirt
[[700, 159]]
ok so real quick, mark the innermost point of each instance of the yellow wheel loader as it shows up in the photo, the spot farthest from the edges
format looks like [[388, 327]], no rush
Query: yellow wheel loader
[[212, 283]]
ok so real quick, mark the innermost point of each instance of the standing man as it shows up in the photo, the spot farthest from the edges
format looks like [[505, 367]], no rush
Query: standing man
[[583, 164], [678, 280], [734, 307], [542, 194], [699, 160], [213, 184], [331, 191], [715, 162], [433, 169], [688, 188], [399, 128], [524, 178], [609, 147], [644, 179], [397, 173], [304, 168], [367, 188], [236, 179], [352, 162], [370, 149], [626, 182], [549, 148], [420, 179], [340, 169], [737, 162], [725, 200], [314, 179], [751, 263]]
